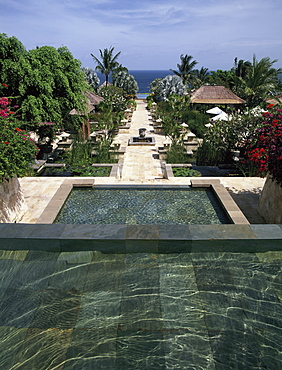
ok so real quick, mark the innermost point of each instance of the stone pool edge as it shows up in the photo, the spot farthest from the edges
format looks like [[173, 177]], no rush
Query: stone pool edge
[[160, 239]]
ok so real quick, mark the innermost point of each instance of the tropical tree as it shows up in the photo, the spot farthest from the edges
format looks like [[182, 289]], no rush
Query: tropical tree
[[170, 85], [261, 79], [202, 77], [126, 82], [108, 62], [186, 69], [114, 100], [91, 78], [47, 83]]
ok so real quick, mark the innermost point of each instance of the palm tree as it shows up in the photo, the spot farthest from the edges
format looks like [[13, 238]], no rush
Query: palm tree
[[241, 67], [261, 80], [186, 69], [202, 77], [108, 62]]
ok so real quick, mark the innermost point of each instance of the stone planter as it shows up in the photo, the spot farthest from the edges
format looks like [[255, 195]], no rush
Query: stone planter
[[270, 203], [12, 204]]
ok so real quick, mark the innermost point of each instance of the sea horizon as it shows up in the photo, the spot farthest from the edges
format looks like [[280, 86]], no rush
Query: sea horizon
[[143, 77]]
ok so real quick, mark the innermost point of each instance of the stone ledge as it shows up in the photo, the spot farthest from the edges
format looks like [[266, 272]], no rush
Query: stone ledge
[[141, 238]]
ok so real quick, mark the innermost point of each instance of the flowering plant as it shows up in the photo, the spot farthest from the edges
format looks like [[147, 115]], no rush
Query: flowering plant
[[17, 149], [266, 148]]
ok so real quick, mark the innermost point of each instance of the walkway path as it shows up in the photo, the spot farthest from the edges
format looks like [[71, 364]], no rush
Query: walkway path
[[139, 162]]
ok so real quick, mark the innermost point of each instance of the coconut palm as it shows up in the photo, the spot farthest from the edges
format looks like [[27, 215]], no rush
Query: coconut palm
[[186, 69], [261, 79], [202, 77], [108, 62]]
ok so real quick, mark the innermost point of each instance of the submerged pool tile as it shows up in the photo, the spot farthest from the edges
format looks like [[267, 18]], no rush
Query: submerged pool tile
[[140, 350], [57, 309], [13, 255], [33, 275], [92, 349], [183, 346], [76, 257], [8, 271], [42, 349], [69, 277], [11, 340], [18, 307], [106, 276], [99, 310]]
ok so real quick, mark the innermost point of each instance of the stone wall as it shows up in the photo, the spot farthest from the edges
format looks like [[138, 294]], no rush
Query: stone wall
[[12, 204], [270, 203]]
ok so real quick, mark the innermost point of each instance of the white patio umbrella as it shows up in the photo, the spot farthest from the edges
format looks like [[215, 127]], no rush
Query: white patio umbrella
[[208, 125], [221, 117], [159, 120], [215, 110], [184, 124]]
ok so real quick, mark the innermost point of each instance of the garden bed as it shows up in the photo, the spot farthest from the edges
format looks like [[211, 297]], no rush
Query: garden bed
[[78, 171]]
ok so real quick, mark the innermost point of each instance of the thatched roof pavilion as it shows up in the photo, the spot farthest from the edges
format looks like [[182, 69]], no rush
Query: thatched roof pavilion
[[92, 100], [275, 100], [217, 95]]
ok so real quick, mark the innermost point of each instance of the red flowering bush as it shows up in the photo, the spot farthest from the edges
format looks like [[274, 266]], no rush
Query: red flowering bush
[[266, 148], [17, 149]]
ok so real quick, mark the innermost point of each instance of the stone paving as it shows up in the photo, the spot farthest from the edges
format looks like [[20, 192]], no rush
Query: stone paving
[[140, 167], [139, 162]]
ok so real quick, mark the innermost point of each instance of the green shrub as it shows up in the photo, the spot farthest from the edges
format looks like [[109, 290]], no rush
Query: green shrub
[[185, 172]]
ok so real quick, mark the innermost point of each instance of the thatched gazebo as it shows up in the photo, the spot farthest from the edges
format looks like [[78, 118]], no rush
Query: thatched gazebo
[[215, 95], [275, 100], [92, 101]]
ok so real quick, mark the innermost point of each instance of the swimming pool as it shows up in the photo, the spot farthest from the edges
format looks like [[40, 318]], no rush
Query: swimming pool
[[145, 206]]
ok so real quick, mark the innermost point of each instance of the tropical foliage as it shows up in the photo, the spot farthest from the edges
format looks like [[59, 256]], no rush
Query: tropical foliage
[[126, 82], [225, 137], [252, 81], [265, 149], [107, 62], [47, 83], [17, 149], [115, 100], [91, 78], [161, 89], [186, 70]]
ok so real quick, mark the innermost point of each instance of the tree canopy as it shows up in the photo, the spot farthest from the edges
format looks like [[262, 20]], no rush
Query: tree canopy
[[107, 62], [126, 82], [47, 82], [186, 69]]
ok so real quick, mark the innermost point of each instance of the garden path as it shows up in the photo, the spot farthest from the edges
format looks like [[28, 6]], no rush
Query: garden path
[[139, 163]]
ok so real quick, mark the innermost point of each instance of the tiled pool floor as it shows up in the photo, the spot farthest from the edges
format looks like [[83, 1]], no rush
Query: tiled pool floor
[[88, 310]]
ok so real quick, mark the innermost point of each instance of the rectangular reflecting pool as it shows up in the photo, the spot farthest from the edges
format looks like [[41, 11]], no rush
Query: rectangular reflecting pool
[[136, 206]]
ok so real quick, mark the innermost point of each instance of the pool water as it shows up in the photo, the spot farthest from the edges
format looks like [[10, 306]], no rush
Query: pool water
[[88, 310], [142, 206]]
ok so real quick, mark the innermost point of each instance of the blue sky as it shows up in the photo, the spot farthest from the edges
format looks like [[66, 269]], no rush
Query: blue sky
[[151, 34]]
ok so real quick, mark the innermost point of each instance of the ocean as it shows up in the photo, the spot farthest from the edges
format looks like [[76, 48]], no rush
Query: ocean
[[143, 78]]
